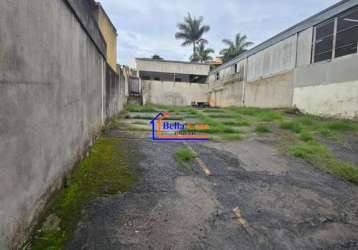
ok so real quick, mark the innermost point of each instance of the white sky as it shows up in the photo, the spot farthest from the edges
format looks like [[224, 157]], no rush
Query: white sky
[[147, 27]]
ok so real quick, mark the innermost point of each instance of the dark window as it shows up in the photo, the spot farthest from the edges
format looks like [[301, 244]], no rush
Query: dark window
[[235, 70], [324, 41], [344, 38], [170, 77], [217, 76], [347, 33]]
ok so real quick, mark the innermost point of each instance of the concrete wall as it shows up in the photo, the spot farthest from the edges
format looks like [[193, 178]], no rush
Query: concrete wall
[[271, 92], [52, 73], [277, 59], [265, 77], [328, 88], [172, 67], [228, 95], [109, 33], [304, 47], [173, 93]]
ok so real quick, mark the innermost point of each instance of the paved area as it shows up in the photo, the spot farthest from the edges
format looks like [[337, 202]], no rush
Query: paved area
[[253, 198]]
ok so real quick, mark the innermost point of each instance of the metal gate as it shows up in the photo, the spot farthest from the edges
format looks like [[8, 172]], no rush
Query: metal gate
[[134, 86]]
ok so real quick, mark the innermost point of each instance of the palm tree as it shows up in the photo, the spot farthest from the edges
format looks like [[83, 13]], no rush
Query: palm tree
[[235, 48], [202, 53], [192, 31]]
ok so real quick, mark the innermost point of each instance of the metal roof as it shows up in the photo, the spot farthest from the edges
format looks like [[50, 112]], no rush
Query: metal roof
[[307, 23]]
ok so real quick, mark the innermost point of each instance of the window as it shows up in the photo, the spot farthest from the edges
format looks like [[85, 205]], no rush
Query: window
[[217, 76], [336, 37], [156, 78], [235, 69], [178, 79], [347, 34], [324, 41]]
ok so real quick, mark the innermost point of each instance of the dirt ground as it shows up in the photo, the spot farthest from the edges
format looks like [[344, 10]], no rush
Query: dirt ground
[[253, 198]]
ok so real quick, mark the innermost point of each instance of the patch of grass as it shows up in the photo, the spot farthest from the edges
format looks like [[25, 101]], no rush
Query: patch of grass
[[212, 115], [342, 125], [238, 123], [269, 116], [320, 156], [103, 173], [292, 126], [305, 136], [327, 132], [140, 122], [184, 154], [306, 120], [262, 129], [246, 111], [140, 108], [230, 137], [140, 117], [213, 111]]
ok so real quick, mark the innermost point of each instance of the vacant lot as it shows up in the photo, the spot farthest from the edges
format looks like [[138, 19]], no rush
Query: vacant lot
[[267, 179], [328, 144]]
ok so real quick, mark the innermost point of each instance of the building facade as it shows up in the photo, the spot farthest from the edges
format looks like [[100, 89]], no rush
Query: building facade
[[172, 82], [311, 66]]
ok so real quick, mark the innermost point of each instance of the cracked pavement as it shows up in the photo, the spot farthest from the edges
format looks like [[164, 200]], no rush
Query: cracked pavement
[[254, 199]]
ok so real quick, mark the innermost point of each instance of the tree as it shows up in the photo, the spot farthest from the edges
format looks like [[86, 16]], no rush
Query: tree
[[202, 53], [235, 48], [157, 57], [192, 31]]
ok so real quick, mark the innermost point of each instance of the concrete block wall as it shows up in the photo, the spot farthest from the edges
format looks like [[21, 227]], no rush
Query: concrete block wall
[[173, 93], [52, 96]]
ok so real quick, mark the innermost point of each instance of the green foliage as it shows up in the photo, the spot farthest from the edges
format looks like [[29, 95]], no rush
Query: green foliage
[[305, 136], [157, 57], [185, 154], [235, 48], [320, 156], [238, 123], [262, 129], [104, 172], [191, 31], [231, 137], [292, 126], [342, 125]]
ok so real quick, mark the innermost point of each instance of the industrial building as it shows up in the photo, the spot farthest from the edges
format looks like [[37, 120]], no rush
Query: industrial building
[[311, 66]]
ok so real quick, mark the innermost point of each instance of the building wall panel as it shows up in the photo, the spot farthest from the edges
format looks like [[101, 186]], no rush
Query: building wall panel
[[171, 93], [273, 92]]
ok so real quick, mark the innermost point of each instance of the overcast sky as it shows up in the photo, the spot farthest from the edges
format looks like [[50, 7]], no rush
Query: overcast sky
[[147, 27]]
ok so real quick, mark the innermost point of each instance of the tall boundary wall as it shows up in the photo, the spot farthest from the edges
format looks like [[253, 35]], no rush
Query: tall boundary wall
[[173, 93], [52, 103]]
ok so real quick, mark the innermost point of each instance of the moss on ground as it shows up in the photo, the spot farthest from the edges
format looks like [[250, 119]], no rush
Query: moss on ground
[[104, 172]]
